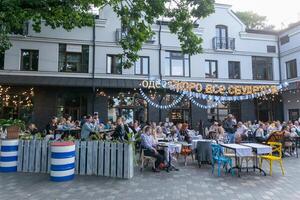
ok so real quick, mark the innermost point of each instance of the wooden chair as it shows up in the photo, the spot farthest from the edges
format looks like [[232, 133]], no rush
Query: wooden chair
[[275, 155], [146, 159]]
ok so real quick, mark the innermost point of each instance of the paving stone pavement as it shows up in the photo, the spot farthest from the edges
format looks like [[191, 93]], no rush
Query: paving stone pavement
[[191, 183]]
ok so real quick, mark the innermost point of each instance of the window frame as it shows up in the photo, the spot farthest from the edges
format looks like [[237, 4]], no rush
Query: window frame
[[142, 66], [219, 37], [254, 72], [169, 60], [30, 54], [65, 54], [284, 39], [239, 75], [210, 71], [286, 67], [107, 55]]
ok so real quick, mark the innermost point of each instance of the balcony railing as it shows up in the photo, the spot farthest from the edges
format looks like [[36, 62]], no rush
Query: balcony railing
[[225, 43]]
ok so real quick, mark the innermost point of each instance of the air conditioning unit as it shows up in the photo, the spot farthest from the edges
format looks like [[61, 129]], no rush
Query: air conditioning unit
[[119, 35], [152, 39]]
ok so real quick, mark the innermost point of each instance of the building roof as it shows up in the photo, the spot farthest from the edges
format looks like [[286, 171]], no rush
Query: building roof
[[264, 32], [291, 26]]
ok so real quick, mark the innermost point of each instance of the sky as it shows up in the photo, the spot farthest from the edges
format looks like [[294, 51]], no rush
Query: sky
[[279, 12]]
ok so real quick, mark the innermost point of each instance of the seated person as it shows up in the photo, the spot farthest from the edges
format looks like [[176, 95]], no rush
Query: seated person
[[241, 132], [174, 135], [51, 128], [87, 128], [260, 133], [150, 148], [159, 133], [32, 129], [121, 130]]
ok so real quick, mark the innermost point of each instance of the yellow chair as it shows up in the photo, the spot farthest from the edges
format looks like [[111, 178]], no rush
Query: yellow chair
[[277, 149]]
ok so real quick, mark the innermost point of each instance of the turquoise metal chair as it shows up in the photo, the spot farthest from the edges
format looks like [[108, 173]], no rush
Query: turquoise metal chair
[[220, 159]]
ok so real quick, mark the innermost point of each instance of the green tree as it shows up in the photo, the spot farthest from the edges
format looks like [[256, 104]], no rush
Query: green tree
[[254, 21], [136, 17]]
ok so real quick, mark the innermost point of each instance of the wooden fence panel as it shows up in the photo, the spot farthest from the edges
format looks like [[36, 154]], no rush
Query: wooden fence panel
[[49, 157], [20, 156], [113, 160], [89, 158], [32, 148], [107, 159], [100, 158], [120, 161], [26, 156], [95, 158], [44, 156], [92, 158], [82, 169], [128, 161], [38, 153], [77, 156]]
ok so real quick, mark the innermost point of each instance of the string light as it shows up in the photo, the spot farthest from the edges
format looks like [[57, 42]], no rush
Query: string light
[[162, 107]]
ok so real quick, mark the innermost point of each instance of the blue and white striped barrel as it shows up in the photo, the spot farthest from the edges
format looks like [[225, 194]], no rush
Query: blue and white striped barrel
[[9, 155], [62, 161]]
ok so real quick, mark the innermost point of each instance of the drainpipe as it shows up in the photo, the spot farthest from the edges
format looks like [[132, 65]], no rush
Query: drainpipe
[[94, 65], [159, 65], [279, 58], [280, 75]]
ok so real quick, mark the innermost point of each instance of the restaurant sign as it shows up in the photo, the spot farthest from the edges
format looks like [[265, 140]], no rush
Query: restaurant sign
[[213, 89]]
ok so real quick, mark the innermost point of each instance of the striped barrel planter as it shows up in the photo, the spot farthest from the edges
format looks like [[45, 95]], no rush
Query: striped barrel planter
[[62, 161], [9, 155]]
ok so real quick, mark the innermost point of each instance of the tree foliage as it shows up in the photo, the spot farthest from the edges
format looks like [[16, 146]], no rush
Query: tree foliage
[[254, 21], [137, 18]]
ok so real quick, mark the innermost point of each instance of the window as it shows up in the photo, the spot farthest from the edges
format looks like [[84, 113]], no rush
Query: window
[[234, 69], [285, 39], [211, 69], [262, 68], [113, 64], [291, 69], [73, 58], [29, 60], [220, 112], [1, 60], [294, 114], [221, 37], [177, 64], [271, 49], [141, 66]]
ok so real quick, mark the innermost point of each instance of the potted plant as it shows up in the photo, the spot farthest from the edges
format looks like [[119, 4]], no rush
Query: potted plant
[[12, 127]]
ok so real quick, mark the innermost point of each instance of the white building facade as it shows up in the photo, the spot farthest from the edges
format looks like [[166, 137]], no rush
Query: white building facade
[[78, 72]]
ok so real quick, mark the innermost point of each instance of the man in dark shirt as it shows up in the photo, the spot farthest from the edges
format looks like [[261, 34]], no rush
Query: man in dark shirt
[[121, 130], [229, 126], [52, 126]]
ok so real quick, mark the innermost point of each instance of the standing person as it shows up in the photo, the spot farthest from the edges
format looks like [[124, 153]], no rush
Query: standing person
[[121, 130], [229, 126], [87, 128], [200, 126], [185, 134]]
